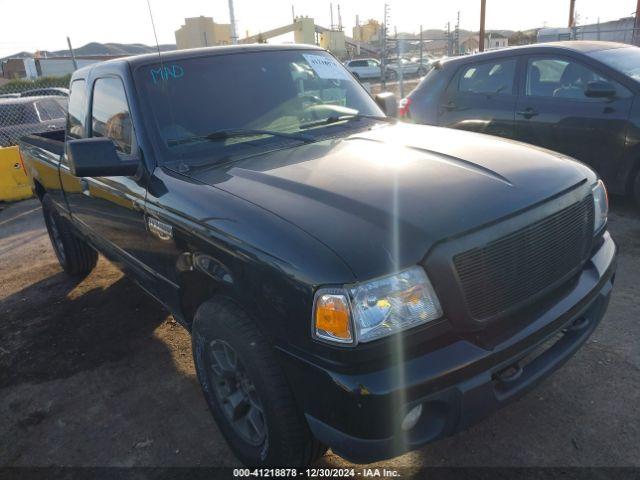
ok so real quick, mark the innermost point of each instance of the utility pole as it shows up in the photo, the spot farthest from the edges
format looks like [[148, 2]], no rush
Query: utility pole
[[636, 25], [449, 39], [332, 26], [421, 43], [232, 19], [383, 50], [483, 10], [457, 35], [572, 8], [399, 51], [73, 54]]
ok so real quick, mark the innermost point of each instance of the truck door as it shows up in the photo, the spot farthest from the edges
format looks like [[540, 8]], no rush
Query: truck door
[[481, 98], [111, 209], [554, 112]]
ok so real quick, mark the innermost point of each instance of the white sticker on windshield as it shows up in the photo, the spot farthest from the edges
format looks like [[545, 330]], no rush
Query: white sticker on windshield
[[326, 67]]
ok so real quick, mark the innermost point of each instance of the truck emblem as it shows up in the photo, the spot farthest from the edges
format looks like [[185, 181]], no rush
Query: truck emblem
[[162, 230]]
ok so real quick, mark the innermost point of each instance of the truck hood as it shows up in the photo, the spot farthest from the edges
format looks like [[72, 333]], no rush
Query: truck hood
[[380, 199]]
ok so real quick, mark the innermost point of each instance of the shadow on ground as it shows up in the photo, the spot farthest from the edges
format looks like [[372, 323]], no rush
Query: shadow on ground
[[60, 336]]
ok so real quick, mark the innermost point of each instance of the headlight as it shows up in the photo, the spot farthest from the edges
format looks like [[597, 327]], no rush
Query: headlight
[[601, 202], [375, 309]]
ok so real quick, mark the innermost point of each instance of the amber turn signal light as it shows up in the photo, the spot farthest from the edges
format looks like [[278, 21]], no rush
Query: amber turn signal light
[[333, 318]]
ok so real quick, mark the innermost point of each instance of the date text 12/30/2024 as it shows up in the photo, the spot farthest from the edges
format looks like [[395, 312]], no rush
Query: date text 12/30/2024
[[316, 472]]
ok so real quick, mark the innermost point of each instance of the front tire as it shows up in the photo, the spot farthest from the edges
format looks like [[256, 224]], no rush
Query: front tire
[[246, 389], [75, 256]]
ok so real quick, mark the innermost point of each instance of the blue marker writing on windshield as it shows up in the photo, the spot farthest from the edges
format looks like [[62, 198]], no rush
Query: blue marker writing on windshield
[[167, 72]]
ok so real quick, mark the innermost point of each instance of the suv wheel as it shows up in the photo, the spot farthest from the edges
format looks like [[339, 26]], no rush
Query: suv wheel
[[75, 256], [246, 389]]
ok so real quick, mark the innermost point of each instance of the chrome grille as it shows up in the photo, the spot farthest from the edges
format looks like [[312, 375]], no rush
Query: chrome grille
[[505, 273]]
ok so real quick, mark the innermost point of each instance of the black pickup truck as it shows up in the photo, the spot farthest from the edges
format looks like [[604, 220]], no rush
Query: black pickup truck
[[348, 281]]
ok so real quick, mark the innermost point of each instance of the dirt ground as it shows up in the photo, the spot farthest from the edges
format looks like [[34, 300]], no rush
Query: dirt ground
[[96, 374]]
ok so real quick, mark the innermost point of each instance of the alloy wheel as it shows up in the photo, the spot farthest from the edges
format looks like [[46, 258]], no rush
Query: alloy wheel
[[236, 393]]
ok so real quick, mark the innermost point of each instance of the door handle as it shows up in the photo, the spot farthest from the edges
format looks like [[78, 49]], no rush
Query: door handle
[[84, 185], [527, 113]]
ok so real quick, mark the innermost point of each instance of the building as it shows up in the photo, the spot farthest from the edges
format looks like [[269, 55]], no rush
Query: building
[[493, 41], [368, 32], [553, 34], [202, 32], [334, 41], [469, 45], [621, 30]]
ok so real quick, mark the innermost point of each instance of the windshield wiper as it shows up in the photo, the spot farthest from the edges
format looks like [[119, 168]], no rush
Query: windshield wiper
[[226, 133], [345, 118]]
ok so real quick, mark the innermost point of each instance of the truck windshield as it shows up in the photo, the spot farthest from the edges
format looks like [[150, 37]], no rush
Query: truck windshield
[[260, 93], [625, 60]]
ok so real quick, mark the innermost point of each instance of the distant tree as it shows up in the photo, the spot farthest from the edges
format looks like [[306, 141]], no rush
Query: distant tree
[[523, 38], [22, 84]]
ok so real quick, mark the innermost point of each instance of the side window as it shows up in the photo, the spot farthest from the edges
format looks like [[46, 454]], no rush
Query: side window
[[110, 116], [50, 110], [77, 109], [359, 63], [491, 77], [558, 77]]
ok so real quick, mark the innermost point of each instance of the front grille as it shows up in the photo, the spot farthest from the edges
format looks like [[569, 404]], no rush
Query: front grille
[[508, 272]]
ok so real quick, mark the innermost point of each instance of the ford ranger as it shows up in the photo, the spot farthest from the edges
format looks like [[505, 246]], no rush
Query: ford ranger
[[348, 281]]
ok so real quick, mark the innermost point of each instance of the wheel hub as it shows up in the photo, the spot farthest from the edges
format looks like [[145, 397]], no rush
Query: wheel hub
[[236, 393]]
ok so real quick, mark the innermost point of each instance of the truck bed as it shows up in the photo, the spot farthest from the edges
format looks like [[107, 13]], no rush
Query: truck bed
[[52, 141]]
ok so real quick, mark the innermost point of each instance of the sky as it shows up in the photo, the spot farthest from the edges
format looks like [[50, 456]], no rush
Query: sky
[[44, 25]]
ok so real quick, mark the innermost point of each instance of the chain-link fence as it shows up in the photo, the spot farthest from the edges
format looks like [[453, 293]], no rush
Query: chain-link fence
[[31, 106]]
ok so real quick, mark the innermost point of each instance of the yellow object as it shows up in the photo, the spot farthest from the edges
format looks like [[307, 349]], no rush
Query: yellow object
[[332, 316], [14, 184]]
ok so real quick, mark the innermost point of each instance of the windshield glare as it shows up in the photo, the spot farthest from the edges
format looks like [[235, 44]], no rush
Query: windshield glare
[[625, 60], [270, 90]]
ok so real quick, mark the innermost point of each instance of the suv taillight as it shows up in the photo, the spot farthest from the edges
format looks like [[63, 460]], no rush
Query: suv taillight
[[403, 108]]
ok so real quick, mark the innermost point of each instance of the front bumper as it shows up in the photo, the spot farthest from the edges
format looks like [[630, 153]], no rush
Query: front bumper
[[359, 415]]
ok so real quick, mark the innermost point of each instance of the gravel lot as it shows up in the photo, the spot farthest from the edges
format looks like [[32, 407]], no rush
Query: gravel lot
[[95, 373]]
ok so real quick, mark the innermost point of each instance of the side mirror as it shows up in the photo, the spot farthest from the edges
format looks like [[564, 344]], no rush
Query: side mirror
[[388, 102], [599, 89], [98, 157]]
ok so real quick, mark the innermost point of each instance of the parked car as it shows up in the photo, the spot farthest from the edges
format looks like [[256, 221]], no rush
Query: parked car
[[21, 116], [576, 98], [51, 91], [426, 62], [408, 67], [367, 68], [348, 281]]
